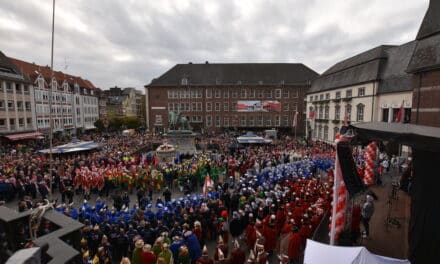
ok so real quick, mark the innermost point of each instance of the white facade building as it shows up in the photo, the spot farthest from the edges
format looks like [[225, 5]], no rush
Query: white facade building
[[371, 86], [74, 105], [17, 111]]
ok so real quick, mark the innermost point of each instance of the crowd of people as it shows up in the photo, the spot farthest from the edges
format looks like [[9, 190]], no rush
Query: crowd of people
[[274, 210], [266, 199]]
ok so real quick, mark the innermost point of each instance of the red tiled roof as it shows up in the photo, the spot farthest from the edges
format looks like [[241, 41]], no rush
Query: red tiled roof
[[32, 71]]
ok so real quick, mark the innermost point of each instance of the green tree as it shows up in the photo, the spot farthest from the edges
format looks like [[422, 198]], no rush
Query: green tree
[[116, 123], [131, 122], [99, 124]]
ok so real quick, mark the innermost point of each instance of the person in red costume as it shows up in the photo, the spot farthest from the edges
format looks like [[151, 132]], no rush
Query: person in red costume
[[294, 251], [238, 256], [251, 235], [270, 234], [261, 254]]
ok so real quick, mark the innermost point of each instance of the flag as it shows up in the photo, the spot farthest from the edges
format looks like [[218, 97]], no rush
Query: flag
[[345, 117], [400, 114], [295, 119], [312, 114], [208, 184]]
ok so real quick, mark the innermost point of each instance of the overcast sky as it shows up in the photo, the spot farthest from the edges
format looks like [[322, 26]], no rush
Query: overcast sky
[[129, 42]]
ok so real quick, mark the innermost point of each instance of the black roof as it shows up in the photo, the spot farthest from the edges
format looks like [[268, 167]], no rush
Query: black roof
[[423, 137], [236, 73], [393, 76], [362, 68], [431, 22], [8, 71], [427, 52], [426, 55]]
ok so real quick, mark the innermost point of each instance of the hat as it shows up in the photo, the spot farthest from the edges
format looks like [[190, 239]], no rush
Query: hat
[[251, 258], [146, 248], [221, 256], [224, 214], [236, 244], [205, 250], [235, 215]]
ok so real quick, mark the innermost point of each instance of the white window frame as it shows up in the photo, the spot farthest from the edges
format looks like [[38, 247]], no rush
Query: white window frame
[[278, 93], [208, 93]]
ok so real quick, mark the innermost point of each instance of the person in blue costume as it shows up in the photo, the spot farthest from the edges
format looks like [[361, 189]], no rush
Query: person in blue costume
[[99, 204], [175, 246], [193, 245]]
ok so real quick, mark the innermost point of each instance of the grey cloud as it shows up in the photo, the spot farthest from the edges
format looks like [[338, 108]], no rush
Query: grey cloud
[[152, 38]]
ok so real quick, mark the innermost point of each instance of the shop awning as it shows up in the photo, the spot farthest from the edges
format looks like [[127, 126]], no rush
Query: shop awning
[[21, 136]]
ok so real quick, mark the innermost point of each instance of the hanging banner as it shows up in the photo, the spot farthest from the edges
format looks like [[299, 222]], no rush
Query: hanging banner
[[258, 106]]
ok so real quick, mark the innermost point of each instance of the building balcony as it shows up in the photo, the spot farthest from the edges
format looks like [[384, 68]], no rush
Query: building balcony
[[321, 120], [336, 100], [346, 99], [336, 121]]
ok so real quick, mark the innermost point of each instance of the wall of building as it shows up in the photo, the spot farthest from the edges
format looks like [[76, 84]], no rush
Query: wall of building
[[426, 99], [17, 112], [213, 108], [388, 104], [62, 112], [325, 126]]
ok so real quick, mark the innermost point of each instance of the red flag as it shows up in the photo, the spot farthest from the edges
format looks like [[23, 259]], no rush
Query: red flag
[[345, 117], [400, 114], [312, 115], [295, 119]]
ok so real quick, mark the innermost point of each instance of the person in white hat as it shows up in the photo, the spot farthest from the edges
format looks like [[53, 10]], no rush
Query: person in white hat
[[205, 259]]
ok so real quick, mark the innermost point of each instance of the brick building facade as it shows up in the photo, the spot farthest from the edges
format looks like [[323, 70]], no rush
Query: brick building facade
[[425, 66], [219, 97]]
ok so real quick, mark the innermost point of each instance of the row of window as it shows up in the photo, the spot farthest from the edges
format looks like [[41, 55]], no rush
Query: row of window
[[243, 93], [41, 84], [197, 107], [323, 112], [12, 122], [41, 95], [243, 121], [394, 112], [246, 121], [11, 87], [18, 105], [322, 132], [348, 94], [90, 100]]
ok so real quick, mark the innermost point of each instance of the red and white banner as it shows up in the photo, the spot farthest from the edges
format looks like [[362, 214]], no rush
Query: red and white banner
[[295, 119], [340, 197]]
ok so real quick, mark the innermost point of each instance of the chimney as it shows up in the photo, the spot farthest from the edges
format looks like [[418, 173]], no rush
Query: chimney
[[206, 62]]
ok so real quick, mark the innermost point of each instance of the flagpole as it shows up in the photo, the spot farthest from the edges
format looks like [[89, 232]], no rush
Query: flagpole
[[50, 104]]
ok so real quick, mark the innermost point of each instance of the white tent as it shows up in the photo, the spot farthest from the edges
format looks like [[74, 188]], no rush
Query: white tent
[[318, 253]]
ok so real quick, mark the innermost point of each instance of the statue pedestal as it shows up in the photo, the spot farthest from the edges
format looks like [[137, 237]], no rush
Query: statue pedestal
[[182, 140]]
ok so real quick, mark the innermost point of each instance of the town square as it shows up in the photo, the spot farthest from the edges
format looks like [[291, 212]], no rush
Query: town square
[[202, 132]]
